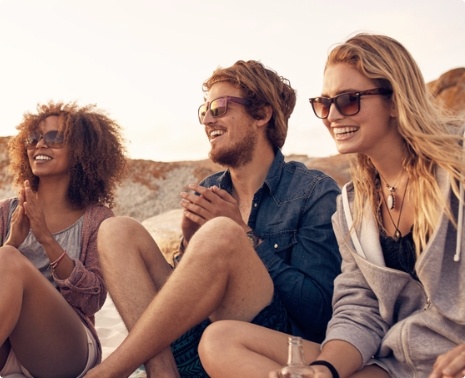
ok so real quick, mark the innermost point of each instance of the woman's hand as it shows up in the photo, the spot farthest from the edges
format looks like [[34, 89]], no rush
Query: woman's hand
[[35, 215], [19, 224], [450, 364], [315, 374]]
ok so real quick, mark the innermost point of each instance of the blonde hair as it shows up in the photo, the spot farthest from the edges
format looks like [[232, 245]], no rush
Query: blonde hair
[[262, 87], [430, 134]]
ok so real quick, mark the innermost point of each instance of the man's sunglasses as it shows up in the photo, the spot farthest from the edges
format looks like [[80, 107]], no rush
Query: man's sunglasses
[[348, 104], [219, 106], [52, 139]]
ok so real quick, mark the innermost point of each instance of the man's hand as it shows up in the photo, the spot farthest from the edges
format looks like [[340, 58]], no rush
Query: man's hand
[[206, 204]]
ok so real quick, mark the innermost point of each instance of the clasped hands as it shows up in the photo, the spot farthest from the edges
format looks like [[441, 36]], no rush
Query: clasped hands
[[28, 215], [203, 204]]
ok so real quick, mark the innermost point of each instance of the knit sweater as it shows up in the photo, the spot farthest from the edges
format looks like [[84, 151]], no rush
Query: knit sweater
[[84, 289]]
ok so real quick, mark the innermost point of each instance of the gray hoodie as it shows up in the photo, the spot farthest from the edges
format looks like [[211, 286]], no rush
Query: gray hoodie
[[392, 319]]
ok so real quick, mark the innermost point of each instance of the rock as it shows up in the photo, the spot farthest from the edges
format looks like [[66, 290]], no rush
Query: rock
[[166, 230], [449, 88]]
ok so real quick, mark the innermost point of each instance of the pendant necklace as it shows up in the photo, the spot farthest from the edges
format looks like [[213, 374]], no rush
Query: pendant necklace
[[397, 233], [391, 199]]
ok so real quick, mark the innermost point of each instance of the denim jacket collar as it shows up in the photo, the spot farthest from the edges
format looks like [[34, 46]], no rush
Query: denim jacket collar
[[272, 178]]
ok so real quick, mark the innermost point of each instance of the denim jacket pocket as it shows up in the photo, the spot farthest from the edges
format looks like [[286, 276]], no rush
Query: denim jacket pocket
[[282, 242]]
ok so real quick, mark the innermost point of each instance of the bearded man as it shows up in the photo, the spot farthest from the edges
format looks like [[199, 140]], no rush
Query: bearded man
[[257, 246]]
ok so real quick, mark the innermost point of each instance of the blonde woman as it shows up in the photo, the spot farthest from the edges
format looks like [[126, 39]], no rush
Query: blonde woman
[[399, 308]]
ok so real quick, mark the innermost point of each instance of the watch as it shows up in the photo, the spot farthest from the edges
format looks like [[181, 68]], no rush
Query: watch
[[253, 239]]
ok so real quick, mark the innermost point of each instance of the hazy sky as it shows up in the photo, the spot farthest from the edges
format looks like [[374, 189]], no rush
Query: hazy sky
[[144, 61]]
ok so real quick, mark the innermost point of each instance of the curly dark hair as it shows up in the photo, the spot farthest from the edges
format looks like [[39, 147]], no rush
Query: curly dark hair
[[262, 86], [97, 152]]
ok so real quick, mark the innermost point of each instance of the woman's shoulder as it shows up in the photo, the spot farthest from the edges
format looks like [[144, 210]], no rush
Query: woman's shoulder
[[97, 213], [99, 209], [7, 203]]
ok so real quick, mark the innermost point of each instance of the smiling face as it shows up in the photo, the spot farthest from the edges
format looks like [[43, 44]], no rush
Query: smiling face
[[45, 160], [232, 136], [372, 131]]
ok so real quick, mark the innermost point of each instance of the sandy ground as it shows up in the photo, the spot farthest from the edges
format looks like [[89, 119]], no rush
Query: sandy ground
[[111, 331]]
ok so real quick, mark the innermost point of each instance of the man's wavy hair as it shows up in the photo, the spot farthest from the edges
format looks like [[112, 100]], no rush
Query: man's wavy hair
[[262, 87], [96, 147]]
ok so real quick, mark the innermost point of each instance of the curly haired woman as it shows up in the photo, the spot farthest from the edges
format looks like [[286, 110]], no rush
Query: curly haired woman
[[67, 161]]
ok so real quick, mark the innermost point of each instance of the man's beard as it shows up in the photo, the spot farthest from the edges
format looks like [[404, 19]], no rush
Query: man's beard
[[236, 155]]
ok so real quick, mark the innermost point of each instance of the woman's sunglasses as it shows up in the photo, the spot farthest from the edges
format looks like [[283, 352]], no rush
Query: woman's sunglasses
[[348, 104], [52, 139], [219, 106]]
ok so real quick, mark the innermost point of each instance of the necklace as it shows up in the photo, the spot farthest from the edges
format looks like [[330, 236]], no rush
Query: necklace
[[391, 199], [397, 233]]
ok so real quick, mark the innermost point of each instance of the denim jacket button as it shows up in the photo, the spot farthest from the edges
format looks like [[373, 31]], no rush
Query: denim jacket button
[[275, 246]]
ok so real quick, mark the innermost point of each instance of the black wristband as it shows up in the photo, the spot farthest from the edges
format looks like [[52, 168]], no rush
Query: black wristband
[[331, 368]]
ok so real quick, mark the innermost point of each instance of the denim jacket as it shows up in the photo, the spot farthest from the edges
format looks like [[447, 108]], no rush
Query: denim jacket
[[291, 213]]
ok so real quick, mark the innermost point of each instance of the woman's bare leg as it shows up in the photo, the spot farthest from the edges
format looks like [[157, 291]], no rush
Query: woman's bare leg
[[232, 348], [238, 349], [44, 331]]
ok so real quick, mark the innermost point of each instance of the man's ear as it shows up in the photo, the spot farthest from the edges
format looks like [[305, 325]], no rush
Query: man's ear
[[267, 113]]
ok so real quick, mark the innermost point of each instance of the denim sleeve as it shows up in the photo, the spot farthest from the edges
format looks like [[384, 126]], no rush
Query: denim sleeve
[[303, 273]]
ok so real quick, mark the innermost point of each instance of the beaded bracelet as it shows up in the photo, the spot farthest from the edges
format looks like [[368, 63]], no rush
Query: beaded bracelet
[[54, 264], [331, 368]]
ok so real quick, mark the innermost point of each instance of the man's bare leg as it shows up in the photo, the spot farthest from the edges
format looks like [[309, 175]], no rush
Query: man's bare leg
[[220, 276], [134, 270]]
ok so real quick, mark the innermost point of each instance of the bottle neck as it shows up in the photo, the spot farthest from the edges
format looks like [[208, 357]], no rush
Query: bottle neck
[[295, 351]]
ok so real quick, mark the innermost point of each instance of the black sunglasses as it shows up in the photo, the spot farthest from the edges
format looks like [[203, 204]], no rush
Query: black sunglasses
[[348, 104], [53, 139], [219, 106]]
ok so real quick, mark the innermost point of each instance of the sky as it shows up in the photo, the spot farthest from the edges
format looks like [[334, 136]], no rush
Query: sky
[[143, 62]]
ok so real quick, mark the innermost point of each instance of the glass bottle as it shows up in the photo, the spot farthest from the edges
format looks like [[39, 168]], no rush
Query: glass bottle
[[295, 367]]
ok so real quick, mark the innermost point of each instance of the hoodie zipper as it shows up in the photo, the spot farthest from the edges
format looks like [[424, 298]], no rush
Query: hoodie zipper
[[405, 342]]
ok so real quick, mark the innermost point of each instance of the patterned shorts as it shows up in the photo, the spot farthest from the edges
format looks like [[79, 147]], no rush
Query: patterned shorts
[[184, 349]]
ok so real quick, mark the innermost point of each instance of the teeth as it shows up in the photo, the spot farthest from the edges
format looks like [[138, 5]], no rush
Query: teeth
[[42, 157], [344, 130], [215, 133]]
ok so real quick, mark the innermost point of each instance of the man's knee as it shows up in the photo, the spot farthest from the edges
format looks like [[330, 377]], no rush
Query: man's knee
[[118, 225], [118, 231], [222, 231]]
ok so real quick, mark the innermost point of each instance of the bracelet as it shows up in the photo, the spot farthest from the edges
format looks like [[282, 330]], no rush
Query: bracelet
[[331, 368], [54, 264]]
